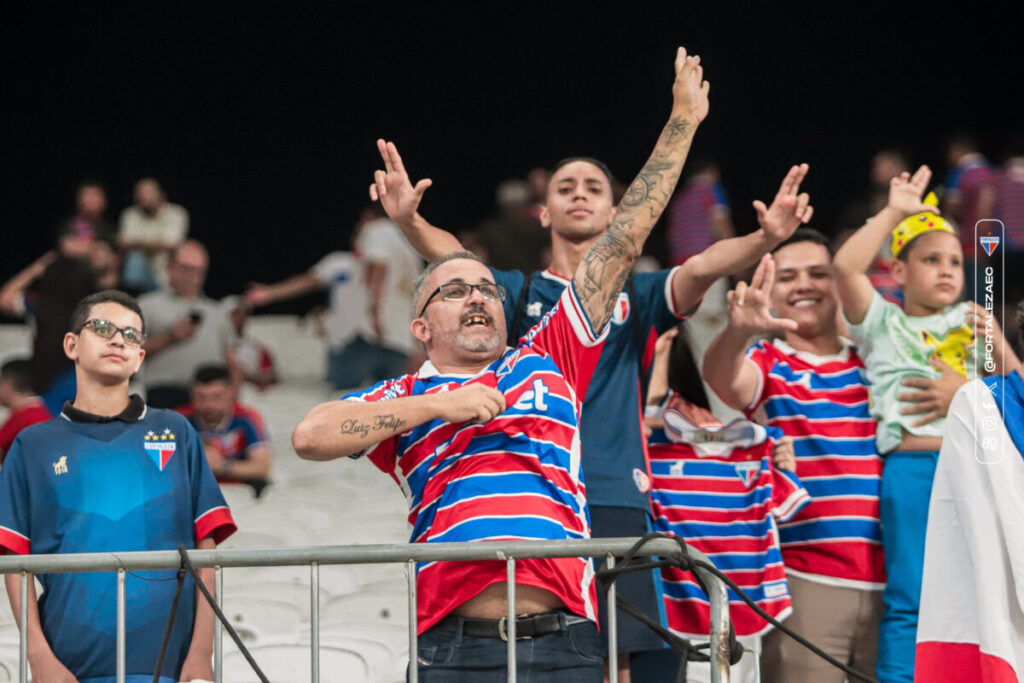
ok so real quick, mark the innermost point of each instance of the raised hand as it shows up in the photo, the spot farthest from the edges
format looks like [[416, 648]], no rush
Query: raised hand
[[690, 90], [750, 308], [934, 395], [906, 191], [392, 187], [476, 402], [789, 209]]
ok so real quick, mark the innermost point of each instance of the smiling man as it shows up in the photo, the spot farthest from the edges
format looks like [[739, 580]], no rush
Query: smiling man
[[810, 383], [484, 439], [110, 475]]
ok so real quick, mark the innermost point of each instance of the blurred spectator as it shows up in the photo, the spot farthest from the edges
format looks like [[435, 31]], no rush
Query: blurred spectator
[[88, 222], [968, 195], [149, 230], [698, 214], [392, 266], [17, 396], [1009, 208], [46, 292], [254, 359], [347, 316], [235, 441], [370, 302], [186, 329], [514, 238]]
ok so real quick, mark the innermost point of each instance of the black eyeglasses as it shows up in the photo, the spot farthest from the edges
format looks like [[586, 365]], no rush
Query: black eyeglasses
[[460, 291], [104, 329]]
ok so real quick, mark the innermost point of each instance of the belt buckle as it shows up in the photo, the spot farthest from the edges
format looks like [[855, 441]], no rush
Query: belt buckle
[[503, 631]]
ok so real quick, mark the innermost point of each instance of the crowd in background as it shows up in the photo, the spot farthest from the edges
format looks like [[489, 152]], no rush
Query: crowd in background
[[198, 353]]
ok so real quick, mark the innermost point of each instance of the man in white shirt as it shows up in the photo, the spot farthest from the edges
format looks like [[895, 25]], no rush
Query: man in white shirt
[[149, 230]]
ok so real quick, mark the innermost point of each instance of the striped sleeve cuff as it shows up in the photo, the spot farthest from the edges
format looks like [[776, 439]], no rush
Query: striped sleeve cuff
[[578, 319], [216, 523], [15, 542]]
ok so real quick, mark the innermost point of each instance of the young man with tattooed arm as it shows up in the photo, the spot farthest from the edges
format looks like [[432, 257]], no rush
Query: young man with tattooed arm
[[578, 211], [484, 439]]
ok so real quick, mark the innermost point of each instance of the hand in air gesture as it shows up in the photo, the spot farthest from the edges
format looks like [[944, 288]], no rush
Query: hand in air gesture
[[905, 192], [789, 209], [690, 90], [399, 197], [750, 308]]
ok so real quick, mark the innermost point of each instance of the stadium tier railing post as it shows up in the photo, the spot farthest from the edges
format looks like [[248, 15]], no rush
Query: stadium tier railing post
[[510, 618], [411, 554], [613, 629], [120, 625], [719, 595], [414, 673], [23, 630], [218, 628], [314, 621]]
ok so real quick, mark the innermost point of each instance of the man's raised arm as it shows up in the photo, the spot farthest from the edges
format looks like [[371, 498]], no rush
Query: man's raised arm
[[401, 200], [603, 271]]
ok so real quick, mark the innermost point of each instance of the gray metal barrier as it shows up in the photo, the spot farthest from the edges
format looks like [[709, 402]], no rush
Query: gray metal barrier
[[509, 552]]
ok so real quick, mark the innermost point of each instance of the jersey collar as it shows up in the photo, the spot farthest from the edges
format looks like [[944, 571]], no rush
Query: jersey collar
[[813, 358], [135, 411]]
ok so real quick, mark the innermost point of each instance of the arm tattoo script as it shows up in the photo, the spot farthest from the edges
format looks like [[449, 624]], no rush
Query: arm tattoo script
[[379, 422]]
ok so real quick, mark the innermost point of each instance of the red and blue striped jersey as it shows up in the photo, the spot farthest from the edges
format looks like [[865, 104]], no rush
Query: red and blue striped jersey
[[822, 402], [718, 489], [516, 477]]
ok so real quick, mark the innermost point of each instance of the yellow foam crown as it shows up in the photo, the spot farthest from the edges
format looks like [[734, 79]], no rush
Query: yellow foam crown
[[918, 224]]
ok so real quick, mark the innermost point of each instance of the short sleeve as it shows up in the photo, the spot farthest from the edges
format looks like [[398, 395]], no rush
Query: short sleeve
[[874, 325], [337, 266], [210, 513], [759, 357], [788, 494], [15, 506], [254, 432], [377, 241], [654, 303], [177, 226]]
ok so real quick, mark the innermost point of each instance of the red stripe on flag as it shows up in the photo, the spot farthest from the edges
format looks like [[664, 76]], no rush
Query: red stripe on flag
[[943, 662]]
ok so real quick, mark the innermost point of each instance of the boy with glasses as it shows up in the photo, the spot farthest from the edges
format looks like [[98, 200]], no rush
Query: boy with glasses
[[110, 475]]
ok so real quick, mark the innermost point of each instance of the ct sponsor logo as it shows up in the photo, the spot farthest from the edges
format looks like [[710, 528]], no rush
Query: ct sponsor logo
[[642, 481]]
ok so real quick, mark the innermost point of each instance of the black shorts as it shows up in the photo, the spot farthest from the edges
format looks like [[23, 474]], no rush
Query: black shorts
[[640, 588]]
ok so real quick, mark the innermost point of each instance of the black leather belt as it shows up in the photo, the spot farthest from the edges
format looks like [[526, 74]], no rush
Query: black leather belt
[[527, 625]]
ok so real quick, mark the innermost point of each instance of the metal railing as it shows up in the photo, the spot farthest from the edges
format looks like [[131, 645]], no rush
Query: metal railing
[[410, 554]]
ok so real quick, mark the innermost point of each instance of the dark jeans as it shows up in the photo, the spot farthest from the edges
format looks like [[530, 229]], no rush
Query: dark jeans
[[570, 655]]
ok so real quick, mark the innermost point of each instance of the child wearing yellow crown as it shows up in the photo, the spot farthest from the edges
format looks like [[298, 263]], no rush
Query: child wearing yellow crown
[[930, 341]]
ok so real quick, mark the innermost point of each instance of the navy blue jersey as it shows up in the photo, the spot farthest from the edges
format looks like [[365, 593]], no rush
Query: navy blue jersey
[[615, 464], [73, 487]]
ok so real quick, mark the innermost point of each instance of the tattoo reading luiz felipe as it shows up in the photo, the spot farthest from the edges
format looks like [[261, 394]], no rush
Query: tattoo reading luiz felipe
[[380, 422]]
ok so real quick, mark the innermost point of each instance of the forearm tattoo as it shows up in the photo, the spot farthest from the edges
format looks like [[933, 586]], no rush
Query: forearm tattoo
[[608, 262], [377, 423]]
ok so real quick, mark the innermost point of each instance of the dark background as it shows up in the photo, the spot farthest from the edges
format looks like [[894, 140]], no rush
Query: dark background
[[261, 119]]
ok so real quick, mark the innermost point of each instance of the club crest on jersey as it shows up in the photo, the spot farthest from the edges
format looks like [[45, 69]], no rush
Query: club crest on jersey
[[989, 243], [160, 447], [747, 472], [621, 311], [642, 481], [534, 309]]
